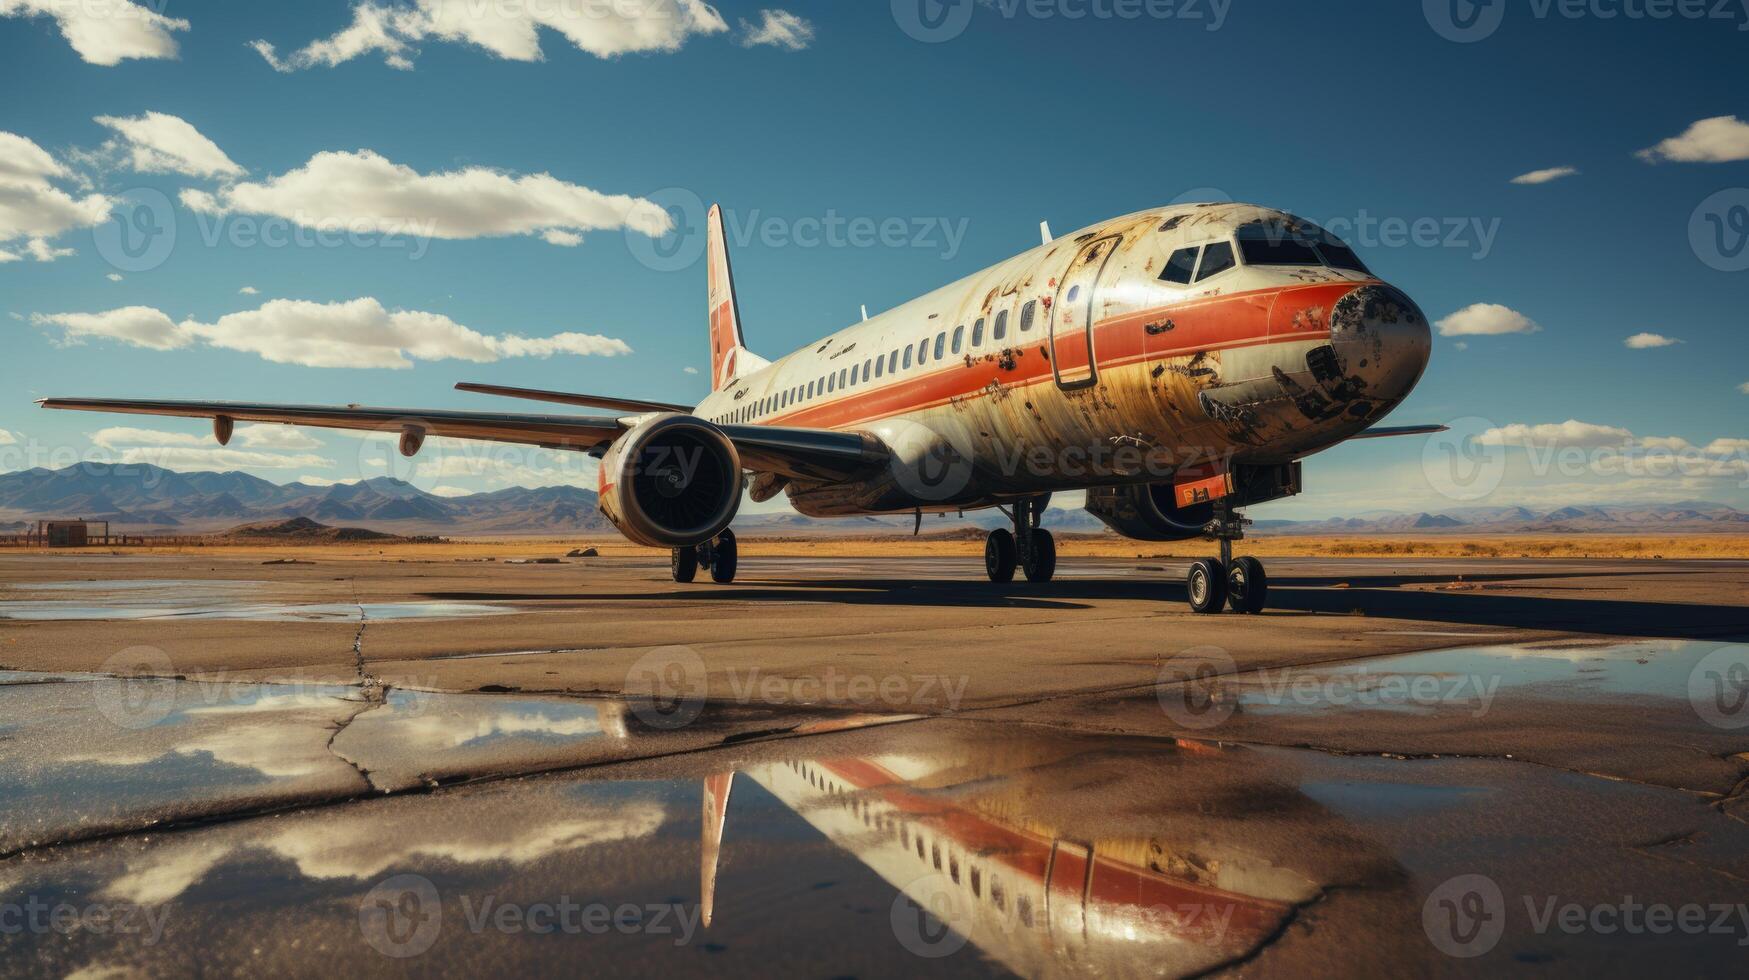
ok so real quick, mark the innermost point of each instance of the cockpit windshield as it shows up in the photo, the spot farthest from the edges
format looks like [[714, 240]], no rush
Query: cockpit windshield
[[1301, 245]]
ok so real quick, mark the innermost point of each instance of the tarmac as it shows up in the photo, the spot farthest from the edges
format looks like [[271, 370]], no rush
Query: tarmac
[[871, 767]]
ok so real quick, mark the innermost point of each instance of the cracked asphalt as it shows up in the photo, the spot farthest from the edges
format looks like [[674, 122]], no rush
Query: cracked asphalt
[[873, 767]]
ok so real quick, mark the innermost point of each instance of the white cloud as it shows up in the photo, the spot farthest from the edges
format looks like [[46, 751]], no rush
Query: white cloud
[[358, 333], [1744, 387], [257, 436], [157, 143], [364, 192], [690, 370], [1569, 433], [140, 326], [778, 28], [1486, 319], [189, 459], [34, 209], [449, 491], [509, 30], [1721, 139], [1642, 341], [249, 291], [104, 32], [322, 481], [113, 277], [1544, 176], [8, 438], [1462, 345]]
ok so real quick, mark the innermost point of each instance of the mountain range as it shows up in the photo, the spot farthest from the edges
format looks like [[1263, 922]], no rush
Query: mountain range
[[143, 498]]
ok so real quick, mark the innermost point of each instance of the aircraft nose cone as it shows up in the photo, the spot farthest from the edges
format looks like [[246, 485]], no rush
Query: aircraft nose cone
[[1379, 345]]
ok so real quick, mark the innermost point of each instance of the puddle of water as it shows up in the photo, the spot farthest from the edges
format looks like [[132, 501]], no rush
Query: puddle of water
[[262, 613], [1470, 676], [967, 856]]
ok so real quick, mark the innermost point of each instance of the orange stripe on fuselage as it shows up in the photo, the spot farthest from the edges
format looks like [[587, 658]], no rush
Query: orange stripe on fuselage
[[1214, 323]]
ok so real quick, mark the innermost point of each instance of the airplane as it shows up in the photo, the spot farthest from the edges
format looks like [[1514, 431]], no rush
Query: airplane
[[1176, 364]]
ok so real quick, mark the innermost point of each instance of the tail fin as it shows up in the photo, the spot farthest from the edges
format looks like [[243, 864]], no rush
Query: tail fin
[[726, 339], [729, 354]]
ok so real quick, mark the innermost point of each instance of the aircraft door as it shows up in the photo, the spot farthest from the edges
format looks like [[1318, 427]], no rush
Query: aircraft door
[[1073, 312], [1066, 883]]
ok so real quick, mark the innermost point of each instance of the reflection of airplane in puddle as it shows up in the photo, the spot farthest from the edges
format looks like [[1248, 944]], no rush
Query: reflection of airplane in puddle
[[1028, 894]]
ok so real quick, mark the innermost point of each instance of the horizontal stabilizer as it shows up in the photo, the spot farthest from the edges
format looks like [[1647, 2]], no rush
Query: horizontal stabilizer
[[1381, 431], [567, 398]]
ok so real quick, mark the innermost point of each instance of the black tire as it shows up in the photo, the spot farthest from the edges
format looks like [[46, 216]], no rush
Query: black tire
[[1247, 586], [999, 555], [1207, 585], [725, 559], [684, 563], [1041, 558]]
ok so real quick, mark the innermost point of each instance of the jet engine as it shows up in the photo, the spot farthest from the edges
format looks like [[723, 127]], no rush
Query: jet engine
[[1151, 512], [673, 481]]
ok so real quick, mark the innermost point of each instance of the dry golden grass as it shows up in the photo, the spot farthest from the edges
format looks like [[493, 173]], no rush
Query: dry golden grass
[[970, 543]]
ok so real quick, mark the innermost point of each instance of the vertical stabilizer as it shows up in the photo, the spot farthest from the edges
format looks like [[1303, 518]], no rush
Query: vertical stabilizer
[[727, 341]]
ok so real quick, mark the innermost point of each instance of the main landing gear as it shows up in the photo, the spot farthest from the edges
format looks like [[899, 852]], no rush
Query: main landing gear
[[1238, 583], [719, 556], [1028, 546]]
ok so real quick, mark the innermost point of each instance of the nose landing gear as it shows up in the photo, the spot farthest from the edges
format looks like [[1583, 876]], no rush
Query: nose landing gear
[[719, 556], [1028, 546], [1240, 584]]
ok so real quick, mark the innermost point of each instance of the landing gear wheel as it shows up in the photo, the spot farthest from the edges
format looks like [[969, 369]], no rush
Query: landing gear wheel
[[724, 560], [1041, 558], [999, 555], [1247, 585], [684, 563], [1207, 585]]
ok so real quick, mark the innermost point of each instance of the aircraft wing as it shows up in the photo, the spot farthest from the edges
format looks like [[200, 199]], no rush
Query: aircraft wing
[[1386, 431], [549, 431], [795, 452]]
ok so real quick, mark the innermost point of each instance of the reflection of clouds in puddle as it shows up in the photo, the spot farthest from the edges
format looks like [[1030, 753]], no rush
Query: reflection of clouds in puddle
[[434, 722], [292, 745], [356, 847]]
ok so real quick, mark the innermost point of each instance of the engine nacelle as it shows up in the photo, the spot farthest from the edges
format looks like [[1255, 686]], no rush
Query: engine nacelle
[[673, 481], [1147, 512], [1151, 512]]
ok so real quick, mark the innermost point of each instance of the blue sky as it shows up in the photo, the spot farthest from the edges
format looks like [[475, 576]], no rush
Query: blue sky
[[1367, 118]]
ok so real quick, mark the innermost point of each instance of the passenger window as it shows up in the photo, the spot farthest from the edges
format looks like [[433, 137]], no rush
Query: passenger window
[[1001, 326], [866, 367], [940, 344], [831, 383], [1217, 257], [1026, 315], [841, 375], [959, 335], [879, 363], [1180, 267], [1074, 291], [922, 352], [893, 362], [978, 334], [907, 357]]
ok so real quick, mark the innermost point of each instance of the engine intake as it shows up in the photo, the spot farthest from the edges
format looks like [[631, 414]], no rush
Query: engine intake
[[673, 481]]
